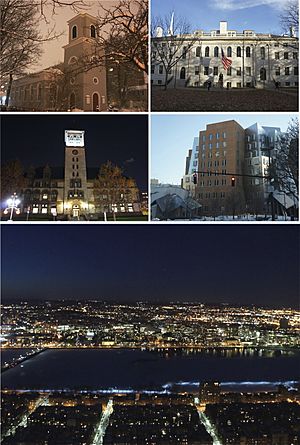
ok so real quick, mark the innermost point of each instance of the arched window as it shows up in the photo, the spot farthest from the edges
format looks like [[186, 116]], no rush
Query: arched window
[[239, 52], [182, 73], [263, 74], [74, 32], [248, 51], [198, 51], [93, 31], [229, 51], [207, 51], [262, 52], [96, 102], [216, 52]]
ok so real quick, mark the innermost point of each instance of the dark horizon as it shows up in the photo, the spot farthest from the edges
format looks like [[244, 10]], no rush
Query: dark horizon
[[38, 140], [246, 265], [149, 302]]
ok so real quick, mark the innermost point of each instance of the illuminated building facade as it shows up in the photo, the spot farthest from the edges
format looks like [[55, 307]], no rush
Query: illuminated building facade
[[70, 191]]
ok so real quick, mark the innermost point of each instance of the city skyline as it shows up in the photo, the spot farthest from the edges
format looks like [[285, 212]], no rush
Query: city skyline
[[133, 264], [172, 136], [107, 138]]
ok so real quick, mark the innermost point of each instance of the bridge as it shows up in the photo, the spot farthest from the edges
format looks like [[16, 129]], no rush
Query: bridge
[[103, 424]]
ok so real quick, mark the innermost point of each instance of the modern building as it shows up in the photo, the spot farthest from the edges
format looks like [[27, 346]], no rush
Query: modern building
[[77, 84], [75, 191], [220, 163], [233, 171], [191, 166], [172, 202], [257, 60]]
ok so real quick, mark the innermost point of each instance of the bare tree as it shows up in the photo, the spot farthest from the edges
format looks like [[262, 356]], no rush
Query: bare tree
[[112, 188], [123, 32], [284, 170], [169, 42], [290, 16], [20, 44], [20, 40]]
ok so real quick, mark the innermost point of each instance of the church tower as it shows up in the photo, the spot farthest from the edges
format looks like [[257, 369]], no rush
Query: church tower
[[86, 90], [75, 186]]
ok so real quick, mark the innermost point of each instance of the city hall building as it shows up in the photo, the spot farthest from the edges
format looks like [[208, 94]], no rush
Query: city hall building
[[72, 191], [257, 60]]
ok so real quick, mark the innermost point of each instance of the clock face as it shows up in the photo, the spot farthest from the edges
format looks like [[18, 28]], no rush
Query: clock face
[[75, 152], [74, 138]]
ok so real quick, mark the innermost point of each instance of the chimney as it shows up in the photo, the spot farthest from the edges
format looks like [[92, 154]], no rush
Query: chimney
[[223, 27]]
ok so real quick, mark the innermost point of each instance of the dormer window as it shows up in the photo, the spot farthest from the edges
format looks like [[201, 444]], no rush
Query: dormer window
[[93, 32], [74, 32]]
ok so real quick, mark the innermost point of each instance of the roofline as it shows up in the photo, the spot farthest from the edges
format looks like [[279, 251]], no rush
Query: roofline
[[82, 14]]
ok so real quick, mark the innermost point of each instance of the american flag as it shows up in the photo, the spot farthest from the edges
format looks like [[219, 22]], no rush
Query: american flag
[[226, 62]]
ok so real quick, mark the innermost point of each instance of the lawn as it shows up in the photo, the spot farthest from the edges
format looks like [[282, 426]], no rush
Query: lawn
[[190, 99]]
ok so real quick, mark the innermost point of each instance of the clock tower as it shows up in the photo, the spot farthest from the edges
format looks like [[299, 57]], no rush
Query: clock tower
[[75, 181]]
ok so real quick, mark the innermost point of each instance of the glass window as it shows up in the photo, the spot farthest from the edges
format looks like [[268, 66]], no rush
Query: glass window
[[238, 52], [248, 51], [207, 51], [216, 52], [229, 51]]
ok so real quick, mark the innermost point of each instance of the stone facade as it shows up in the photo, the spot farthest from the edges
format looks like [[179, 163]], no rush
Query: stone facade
[[71, 192], [258, 60]]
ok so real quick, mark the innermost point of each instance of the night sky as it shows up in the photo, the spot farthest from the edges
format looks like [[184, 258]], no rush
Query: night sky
[[39, 140], [220, 263]]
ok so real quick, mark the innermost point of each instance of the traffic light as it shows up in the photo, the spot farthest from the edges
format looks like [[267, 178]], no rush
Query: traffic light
[[195, 178], [233, 181]]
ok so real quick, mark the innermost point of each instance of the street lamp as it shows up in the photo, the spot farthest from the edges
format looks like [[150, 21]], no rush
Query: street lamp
[[12, 204]]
